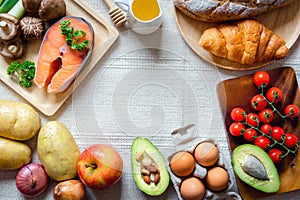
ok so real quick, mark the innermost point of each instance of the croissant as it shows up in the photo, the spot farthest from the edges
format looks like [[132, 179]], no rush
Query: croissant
[[246, 42]]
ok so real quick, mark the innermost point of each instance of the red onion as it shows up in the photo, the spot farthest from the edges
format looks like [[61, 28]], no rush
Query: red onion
[[32, 180], [69, 190]]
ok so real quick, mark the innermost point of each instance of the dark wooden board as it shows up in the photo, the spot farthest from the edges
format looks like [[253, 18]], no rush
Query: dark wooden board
[[237, 92]]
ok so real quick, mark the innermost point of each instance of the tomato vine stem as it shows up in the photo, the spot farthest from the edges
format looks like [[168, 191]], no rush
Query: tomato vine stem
[[274, 142]]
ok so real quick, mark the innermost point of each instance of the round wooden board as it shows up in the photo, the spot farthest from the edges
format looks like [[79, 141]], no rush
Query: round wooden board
[[283, 21]]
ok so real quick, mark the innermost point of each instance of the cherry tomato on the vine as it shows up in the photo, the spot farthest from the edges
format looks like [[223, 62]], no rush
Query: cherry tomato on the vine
[[277, 133], [274, 94], [236, 128], [266, 129], [262, 142], [250, 134], [252, 119], [275, 155], [258, 102], [238, 114], [290, 140], [291, 111], [266, 115], [261, 79]]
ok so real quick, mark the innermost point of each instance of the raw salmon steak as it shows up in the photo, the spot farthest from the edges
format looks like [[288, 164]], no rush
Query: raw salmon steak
[[58, 65]]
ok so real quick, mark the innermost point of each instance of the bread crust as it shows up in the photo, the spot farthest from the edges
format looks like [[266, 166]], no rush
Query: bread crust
[[225, 10]]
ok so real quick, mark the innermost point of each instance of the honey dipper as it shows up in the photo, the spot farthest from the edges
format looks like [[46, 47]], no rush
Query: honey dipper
[[116, 14]]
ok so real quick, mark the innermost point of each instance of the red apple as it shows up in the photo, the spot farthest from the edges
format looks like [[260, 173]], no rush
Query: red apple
[[100, 166]]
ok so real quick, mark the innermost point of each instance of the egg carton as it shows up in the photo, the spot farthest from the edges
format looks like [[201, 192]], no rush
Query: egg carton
[[186, 139]]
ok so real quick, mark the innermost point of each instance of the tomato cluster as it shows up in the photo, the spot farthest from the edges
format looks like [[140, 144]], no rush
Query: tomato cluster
[[257, 126]]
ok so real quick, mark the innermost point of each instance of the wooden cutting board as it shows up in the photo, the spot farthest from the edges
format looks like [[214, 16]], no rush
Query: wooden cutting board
[[48, 104], [237, 92]]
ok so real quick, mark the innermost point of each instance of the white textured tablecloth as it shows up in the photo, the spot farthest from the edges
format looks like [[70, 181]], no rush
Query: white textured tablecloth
[[145, 85]]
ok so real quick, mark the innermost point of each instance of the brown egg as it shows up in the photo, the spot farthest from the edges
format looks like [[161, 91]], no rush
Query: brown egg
[[206, 154], [217, 179], [192, 189], [182, 163]]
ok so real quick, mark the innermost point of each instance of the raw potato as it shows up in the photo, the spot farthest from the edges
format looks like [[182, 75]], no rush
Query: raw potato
[[57, 151], [14, 155], [18, 121]]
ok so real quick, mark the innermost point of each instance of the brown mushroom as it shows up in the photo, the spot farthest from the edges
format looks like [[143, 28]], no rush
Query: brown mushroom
[[32, 6], [32, 27], [9, 27], [52, 9], [13, 49], [46, 10]]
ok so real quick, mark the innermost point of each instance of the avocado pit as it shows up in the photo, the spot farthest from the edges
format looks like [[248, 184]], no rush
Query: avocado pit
[[253, 167]]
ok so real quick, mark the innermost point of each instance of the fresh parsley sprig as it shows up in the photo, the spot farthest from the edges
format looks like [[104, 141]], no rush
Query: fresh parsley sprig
[[25, 71], [73, 38]]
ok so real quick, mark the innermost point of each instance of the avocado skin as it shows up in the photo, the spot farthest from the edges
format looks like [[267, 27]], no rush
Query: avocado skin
[[268, 186], [139, 145]]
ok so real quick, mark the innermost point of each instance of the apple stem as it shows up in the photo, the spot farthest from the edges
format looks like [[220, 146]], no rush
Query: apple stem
[[94, 166]]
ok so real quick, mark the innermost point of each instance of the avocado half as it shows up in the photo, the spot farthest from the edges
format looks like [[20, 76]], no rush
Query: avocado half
[[254, 167], [143, 155]]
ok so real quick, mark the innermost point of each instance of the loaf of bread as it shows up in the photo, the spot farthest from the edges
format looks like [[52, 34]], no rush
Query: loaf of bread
[[224, 10], [246, 42]]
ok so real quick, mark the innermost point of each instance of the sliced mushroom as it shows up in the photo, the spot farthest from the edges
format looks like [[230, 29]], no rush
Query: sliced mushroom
[[13, 49], [52, 9], [9, 27], [32, 27]]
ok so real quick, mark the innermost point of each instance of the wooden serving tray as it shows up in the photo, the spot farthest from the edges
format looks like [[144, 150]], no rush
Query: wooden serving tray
[[283, 21], [48, 104], [237, 92]]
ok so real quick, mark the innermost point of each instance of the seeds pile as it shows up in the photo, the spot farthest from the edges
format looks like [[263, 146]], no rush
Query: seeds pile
[[149, 170], [256, 126]]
